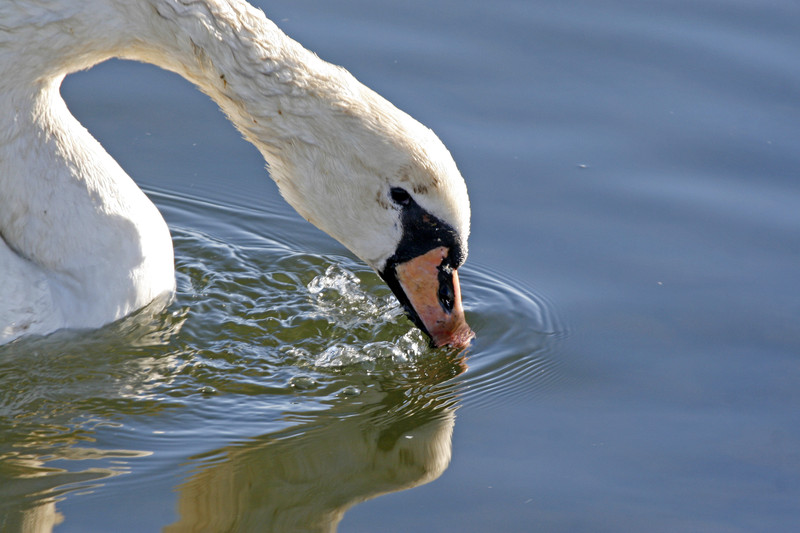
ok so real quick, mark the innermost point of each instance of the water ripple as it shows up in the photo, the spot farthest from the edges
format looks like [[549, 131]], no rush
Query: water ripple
[[270, 320], [259, 313], [515, 352], [259, 339]]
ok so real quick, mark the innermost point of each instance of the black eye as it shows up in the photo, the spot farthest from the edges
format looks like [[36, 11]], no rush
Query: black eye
[[400, 196]]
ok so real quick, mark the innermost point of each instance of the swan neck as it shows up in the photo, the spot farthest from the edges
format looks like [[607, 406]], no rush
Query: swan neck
[[266, 83], [227, 48]]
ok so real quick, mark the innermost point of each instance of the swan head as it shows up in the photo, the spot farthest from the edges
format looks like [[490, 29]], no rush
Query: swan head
[[387, 188]]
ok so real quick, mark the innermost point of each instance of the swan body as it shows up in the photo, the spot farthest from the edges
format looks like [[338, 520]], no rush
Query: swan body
[[81, 245]]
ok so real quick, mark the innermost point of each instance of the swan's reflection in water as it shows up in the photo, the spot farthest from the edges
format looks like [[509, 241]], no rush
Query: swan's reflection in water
[[30, 488], [394, 435], [18, 481], [57, 392], [305, 478]]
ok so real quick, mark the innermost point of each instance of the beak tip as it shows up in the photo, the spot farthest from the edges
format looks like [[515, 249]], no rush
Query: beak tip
[[419, 283], [458, 339]]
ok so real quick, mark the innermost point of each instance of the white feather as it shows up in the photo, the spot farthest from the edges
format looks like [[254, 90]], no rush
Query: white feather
[[82, 246]]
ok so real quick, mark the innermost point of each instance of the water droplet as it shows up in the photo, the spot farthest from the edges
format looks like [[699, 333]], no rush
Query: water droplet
[[302, 383], [350, 391]]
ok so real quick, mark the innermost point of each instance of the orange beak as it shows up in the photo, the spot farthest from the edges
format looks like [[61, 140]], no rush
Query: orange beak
[[435, 296]]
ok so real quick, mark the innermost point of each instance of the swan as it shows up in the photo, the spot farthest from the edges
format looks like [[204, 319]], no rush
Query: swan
[[82, 246]]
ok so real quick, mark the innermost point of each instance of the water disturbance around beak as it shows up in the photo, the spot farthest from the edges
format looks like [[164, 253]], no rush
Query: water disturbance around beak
[[261, 337]]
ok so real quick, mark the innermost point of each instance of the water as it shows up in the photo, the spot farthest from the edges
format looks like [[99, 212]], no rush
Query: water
[[632, 279], [264, 345]]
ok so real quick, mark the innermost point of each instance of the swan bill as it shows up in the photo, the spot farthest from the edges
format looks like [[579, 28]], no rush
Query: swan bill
[[432, 297], [76, 233]]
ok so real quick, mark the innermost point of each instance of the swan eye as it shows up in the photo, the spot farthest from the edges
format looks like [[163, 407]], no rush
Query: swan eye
[[400, 196]]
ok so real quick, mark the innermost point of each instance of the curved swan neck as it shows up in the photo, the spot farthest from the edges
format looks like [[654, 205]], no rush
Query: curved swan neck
[[228, 48], [335, 148], [234, 54], [67, 210], [263, 80]]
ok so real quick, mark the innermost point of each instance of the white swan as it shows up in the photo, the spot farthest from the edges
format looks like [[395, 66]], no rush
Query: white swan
[[82, 246]]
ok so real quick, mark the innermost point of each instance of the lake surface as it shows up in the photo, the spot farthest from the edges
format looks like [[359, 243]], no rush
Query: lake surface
[[633, 280]]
